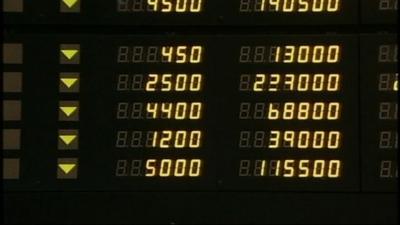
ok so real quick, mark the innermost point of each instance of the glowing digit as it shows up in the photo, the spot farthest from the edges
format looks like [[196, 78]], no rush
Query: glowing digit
[[273, 111], [195, 168], [153, 4], [303, 112], [151, 82], [195, 139], [333, 111], [181, 54], [165, 168], [318, 111], [288, 168], [152, 109], [303, 81], [150, 168], [274, 139], [195, 111], [180, 167], [288, 136], [318, 82], [166, 6], [166, 110], [180, 139], [274, 5], [288, 110], [319, 167], [259, 82], [318, 139], [333, 5], [273, 82], [304, 171], [195, 54], [166, 137], [334, 139], [195, 5], [167, 52], [318, 53], [304, 53], [303, 6], [195, 82], [334, 168], [289, 54], [181, 82], [180, 110], [318, 5], [166, 82], [333, 53], [303, 139]]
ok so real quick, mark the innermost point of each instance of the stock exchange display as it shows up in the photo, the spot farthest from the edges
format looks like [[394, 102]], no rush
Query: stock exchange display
[[151, 111]]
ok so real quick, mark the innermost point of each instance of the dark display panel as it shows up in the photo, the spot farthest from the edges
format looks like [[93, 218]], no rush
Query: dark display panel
[[155, 113]]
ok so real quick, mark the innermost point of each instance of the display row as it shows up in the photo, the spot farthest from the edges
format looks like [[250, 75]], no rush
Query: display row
[[201, 12]]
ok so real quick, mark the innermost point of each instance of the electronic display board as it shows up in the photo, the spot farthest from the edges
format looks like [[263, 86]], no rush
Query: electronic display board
[[200, 112], [160, 113]]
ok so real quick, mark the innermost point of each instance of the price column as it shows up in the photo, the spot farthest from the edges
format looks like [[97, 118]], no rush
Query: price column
[[159, 112], [295, 112]]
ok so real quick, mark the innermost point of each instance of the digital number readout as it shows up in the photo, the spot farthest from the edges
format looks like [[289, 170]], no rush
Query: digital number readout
[[162, 110], [301, 168], [160, 82], [158, 168], [303, 139], [163, 6], [165, 54], [291, 110], [290, 6], [273, 82], [314, 54]]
